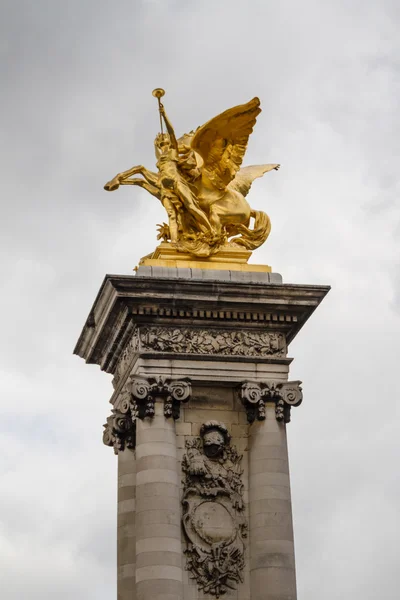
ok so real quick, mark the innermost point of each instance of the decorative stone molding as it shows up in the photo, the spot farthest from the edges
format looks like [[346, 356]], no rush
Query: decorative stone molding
[[146, 391], [124, 361], [283, 394], [136, 401], [186, 340], [120, 429], [213, 519]]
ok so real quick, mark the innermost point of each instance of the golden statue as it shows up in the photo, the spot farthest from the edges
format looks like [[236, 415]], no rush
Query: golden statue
[[201, 185]]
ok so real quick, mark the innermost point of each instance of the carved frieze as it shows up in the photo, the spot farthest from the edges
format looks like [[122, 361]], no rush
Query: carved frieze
[[213, 510], [137, 401], [126, 357], [284, 394], [186, 340]]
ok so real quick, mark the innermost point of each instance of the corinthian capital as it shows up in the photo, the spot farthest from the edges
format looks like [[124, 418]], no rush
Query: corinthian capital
[[284, 394]]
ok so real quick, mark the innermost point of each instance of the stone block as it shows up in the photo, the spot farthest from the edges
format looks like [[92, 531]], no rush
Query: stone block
[[128, 518], [128, 530], [266, 478], [272, 553], [146, 559], [161, 589], [126, 462], [272, 439], [267, 492], [275, 278], [201, 416], [279, 581], [155, 449], [278, 532], [180, 439], [240, 431], [156, 502], [125, 506], [145, 531], [211, 398], [154, 489], [269, 465], [148, 517], [156, 462], [125, 571], [126, 550], [183, 428], [266, 452], [126, 588], [143, 271], [269, 505], [158, 544], [129, 479], [157, 476], [158, 572], [197, 273], [126, 493], [183, 273]]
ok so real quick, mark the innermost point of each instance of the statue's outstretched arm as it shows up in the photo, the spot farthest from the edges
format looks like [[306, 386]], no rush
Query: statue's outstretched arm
[[170, 129]]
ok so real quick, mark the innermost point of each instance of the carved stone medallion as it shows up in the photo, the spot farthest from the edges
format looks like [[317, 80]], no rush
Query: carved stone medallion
[[213, 518]]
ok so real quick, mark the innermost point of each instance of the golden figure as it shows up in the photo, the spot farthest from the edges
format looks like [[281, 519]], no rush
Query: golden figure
[[201, 185]]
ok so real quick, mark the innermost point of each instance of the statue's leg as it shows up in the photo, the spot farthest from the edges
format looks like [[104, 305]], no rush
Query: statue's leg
[[114, 183], [149, 176], [185, 195], [172, 218], [152, 189]]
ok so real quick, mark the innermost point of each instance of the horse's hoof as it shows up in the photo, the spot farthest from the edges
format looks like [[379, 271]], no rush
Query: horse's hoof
[[110, 187]]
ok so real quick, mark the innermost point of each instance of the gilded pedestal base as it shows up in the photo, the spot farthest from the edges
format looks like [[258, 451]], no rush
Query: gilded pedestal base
[[228, 258]]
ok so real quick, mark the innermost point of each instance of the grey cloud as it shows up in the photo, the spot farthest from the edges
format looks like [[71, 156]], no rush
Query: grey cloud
[[76, 108]]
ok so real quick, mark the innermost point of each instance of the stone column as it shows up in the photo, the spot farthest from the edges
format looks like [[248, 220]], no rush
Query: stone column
[[158, 536], [126, 548], [272, 563], [141, 429]]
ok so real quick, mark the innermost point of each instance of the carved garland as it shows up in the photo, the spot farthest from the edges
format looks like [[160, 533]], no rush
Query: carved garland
[[283, 394], [137, 402], [187, 340]]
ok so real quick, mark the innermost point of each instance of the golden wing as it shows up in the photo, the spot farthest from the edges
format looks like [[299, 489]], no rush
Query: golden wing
[[245, 177], [222, 142]]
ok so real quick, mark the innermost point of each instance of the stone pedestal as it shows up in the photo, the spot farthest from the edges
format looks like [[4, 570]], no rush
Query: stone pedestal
[[199, 412]]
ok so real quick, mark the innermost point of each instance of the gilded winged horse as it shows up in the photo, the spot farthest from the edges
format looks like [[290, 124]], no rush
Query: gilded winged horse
[[201, 185]]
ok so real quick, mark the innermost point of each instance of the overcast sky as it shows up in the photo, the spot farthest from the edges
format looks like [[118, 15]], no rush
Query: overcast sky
[[76, 108]]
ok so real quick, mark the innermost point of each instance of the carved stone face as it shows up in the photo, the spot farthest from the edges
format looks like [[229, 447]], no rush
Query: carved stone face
[[213, 443]]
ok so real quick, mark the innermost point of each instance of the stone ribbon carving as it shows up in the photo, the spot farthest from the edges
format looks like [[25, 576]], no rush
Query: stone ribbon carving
[[284, 394], [213, 518], [136, 401]]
